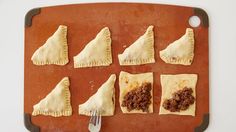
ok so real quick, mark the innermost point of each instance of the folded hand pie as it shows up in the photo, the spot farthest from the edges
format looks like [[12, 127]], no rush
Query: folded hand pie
[[136, 94], [97, 52], [57, 102], [180, 51], [178, 94], [141, 51], [54, 51], [102, 101]]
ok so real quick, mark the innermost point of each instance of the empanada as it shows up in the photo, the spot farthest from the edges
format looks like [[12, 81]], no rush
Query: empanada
[[102, 101], [180, 51], [97, 52], [54, 51], [141, 51], [57, 102], [136, 94], [173, 83]]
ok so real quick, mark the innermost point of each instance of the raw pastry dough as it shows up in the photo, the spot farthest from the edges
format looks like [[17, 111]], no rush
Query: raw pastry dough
[[180, 51], [141, 51], [128, 82], [103, 100], [54, 51], [173, 83], [97, 52], [57, 102]]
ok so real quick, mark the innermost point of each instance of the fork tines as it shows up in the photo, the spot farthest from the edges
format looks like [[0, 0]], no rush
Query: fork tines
[[95, 118]]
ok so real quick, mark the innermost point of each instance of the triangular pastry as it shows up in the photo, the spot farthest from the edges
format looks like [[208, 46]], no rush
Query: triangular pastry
[[136, 92], [141, 51], [180, 51], [102, 101], [54, 51], [97, 52], [170, 84], [57, 102]]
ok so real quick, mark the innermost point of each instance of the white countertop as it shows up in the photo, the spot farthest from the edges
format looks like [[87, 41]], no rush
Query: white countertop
[[222, 16]]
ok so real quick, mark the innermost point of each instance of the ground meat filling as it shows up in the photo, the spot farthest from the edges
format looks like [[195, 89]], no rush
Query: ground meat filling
[[139, 98], [180, 100]]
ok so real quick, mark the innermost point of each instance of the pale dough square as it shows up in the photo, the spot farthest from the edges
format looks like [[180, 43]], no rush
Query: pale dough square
[[128, 82], [173, 83]]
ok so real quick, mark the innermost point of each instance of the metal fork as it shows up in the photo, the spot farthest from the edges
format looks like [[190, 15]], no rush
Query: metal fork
[[95, 122]]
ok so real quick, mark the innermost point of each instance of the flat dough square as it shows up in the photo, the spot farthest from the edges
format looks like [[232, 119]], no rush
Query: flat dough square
[[173, 83], [128, 82]]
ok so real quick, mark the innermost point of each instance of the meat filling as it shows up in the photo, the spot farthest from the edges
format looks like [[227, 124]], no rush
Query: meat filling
[[181, 100], [139, 98]]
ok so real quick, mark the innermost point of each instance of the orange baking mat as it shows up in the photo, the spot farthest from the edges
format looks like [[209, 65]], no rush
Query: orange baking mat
[[126, 22]]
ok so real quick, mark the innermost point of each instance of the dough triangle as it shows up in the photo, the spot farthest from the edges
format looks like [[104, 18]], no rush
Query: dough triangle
[[54, 51], [57, 102], [103, 100], [97, 52], [180, 51], [141, 51]]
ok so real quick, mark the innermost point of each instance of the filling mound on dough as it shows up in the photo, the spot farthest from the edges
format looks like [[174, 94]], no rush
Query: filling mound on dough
[[181, 100], [138, 98]]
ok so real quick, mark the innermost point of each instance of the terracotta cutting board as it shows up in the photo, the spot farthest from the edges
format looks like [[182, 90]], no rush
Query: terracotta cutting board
[[126, 22]]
